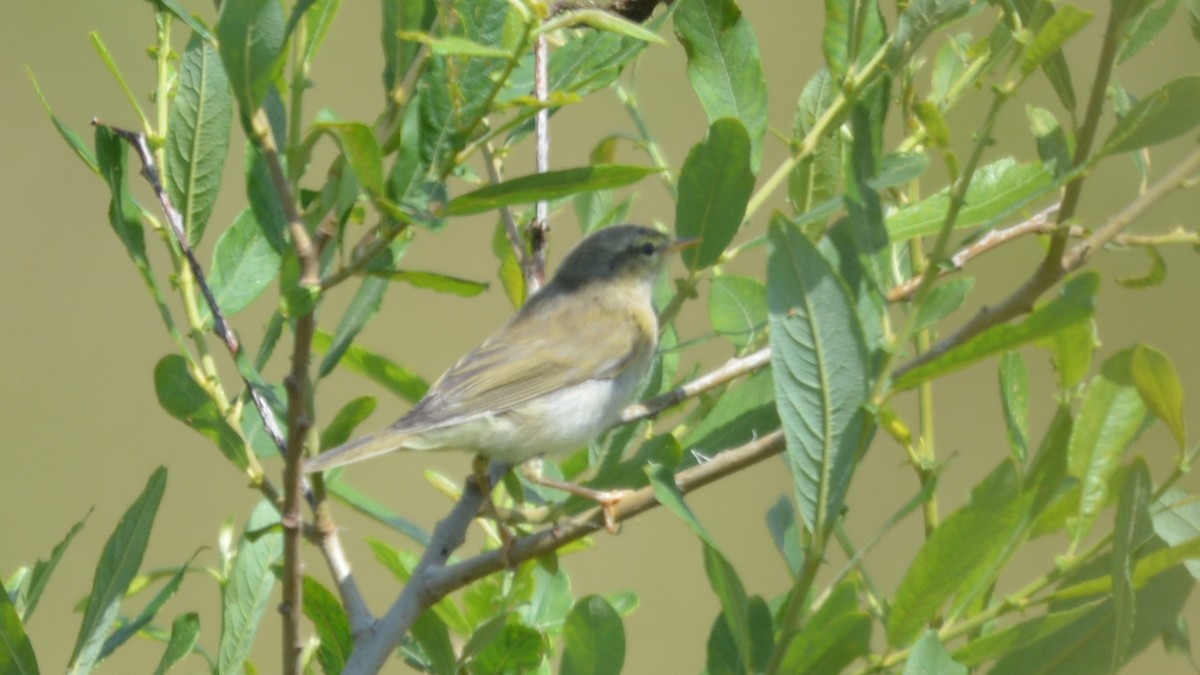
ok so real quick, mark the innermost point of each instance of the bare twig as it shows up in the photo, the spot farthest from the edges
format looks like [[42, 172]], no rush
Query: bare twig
[[433, 579], [512, 231], [536, 274], [732, 368]]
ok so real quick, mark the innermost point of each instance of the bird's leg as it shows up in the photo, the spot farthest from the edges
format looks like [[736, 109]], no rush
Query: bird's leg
[[607, 499], [479, 467]]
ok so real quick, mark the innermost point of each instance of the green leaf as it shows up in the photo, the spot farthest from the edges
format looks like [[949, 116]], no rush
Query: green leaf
[[948, 66], [360, 149], [198, 135], [918, 20], [247, 592], [997, 644], [373, 509], [739, 416], [31, 589], [722, 652], [185, 631], [143, 619], [16, 652], [250, 35], [724, 66], [379, 369], [1071, 352], [998, 190], [185, 400], [181, 13], [515, 649], [116, 569], [593, 639], [737, 308], [817, 177], [836, 634], [329, 621], [398, 54], [546, 186], [929, 657], [1167, 113], [362, 309], [1054, 148], [1014, 401], [835, 39], [714, 187], [244, 265], [601, 20], [1176, 520], [944, 299], [785, 532], [961, 554], [819, 360], [1066, 21], [401, 564], [441, 283], [344, 422], [1160, 389], [1132, 525], [551, 602], [1074, 305], [1145, 27], [112, 158], [81, 150], [430, 632], [1110, 418], [453, 45]]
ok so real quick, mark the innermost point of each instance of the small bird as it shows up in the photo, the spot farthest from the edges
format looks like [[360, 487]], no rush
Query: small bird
[[554, 376]]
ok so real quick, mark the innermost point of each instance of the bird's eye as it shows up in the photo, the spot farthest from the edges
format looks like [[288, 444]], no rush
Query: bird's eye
[[648, 249]]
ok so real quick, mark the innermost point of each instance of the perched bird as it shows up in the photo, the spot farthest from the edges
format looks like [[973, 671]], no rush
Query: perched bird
[[556, 375]]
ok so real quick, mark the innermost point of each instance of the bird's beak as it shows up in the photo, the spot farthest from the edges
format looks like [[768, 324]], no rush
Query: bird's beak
[[682, 243]]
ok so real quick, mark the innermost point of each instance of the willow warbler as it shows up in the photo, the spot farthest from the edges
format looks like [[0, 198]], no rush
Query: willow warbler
[[552, 378]]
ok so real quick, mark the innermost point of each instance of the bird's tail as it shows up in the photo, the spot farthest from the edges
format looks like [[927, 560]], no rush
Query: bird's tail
[[357, 450]]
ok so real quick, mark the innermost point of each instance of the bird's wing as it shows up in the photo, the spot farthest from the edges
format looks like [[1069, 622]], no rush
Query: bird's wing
[[520, 362]]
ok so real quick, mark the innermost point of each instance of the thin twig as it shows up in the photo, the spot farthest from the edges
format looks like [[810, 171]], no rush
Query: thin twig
[[220, 326], [433, 579], [731, 369], [535, 276], [512, 231]]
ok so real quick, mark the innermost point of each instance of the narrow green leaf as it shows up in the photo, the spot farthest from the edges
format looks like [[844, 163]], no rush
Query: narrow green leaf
[[453, 45], [1177, 520], [143, 619], [1074, 305], [593, 639], [714, 187], [181, 13], [1110, 418], [16, 652], [1145, 27], [430, 632], [944, 299], [819, 360], [244, 265], [785, 532], [961, 553], [360, 149], [31, 591], [1160, 389], [735, 606], [737, 308], [1053, 146], [117, 567], [441, 283], [379, 369], [185, 400], [1014, 401], [721, 651], [1071, 352], [918, 20], [1133, 524], [603, 20], [816, 178], [837, 634], [515, 649], [329, 621], [724, 66], [319, 15], [997, 644], [198, 135], [1066, 21], [929, 657], [1167, 113], [250, 35], [185, 631], [948, 66], [362, 309], [835, 39], [398, 54], [997, 190], [546, 186], [342, 426], [667, 493], [112, 158], [81, 150], [247, 591], [739, 416]]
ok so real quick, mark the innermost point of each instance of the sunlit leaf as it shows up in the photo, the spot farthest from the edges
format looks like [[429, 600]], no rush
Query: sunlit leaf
[[714, 187]]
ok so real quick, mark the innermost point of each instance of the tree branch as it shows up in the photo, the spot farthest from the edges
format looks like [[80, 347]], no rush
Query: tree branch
[[433, 579]]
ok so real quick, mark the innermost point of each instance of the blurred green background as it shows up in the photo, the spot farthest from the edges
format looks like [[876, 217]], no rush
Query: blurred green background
[[82, 427]]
